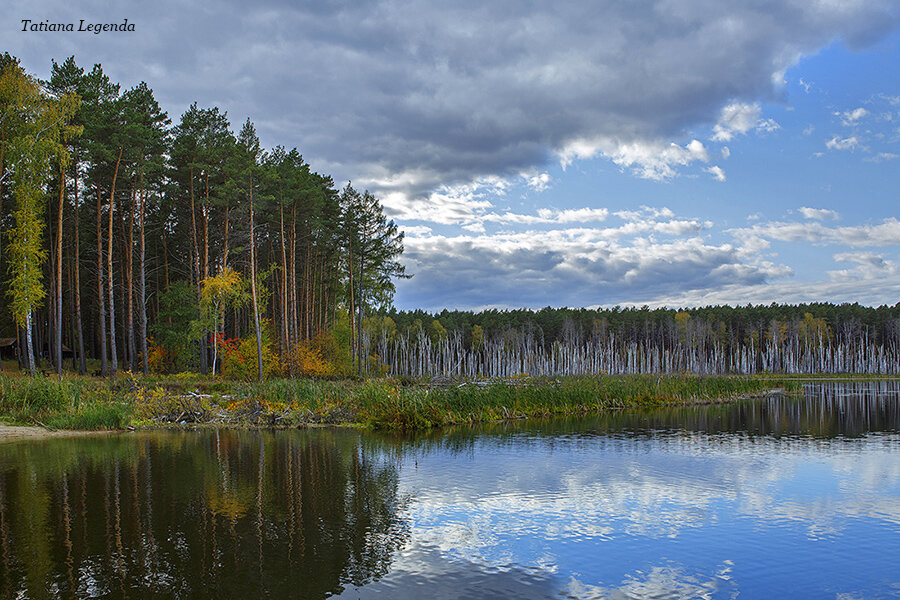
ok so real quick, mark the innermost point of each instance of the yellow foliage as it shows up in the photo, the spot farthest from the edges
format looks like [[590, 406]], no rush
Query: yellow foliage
[[305, 359]]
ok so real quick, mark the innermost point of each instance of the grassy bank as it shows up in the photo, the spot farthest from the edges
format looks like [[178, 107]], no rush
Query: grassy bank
[[87, 403]]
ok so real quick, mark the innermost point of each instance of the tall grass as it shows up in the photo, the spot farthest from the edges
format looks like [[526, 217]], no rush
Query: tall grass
[[68, 403], [391, 406], [83, 403]]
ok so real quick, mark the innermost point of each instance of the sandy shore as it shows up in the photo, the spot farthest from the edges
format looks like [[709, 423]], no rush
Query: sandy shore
[[10, 433]]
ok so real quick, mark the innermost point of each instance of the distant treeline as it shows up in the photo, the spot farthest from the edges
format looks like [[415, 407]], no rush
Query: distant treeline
[[804, 338]]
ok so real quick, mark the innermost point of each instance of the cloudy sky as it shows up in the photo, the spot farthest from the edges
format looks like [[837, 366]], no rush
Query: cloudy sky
[[569, 153]]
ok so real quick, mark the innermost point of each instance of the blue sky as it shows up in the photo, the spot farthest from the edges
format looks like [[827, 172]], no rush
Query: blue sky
[[674, 153]]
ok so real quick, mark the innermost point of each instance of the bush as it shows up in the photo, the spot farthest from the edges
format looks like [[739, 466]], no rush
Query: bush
[[239, 359], [306, 359]]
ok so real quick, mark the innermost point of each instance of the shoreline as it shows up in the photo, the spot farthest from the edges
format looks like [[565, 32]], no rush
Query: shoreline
[[10, 433], [43, 408], [14, 433]]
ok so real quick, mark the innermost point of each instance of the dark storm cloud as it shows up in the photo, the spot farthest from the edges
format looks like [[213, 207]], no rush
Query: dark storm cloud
[[452, 91]]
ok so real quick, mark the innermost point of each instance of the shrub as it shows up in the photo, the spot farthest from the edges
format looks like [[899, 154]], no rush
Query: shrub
[[306, 359], [239, 359]]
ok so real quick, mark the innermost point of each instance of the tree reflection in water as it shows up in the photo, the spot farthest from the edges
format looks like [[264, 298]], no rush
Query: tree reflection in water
[[199, 514], [319, 513]]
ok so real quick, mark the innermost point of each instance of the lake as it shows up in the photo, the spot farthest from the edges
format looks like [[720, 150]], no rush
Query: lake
[[775, 497]]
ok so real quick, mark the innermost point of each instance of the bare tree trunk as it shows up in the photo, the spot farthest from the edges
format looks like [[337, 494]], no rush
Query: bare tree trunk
[[2, 169], [109, 266], [203, 365], [101, 302], [165, 261], [29, 346], [284, 282], [129, 283], [351, 313], [225, 251], [259, 362], [77, 286], [142, 289], [294, 305], [57, 346], [20, 356]]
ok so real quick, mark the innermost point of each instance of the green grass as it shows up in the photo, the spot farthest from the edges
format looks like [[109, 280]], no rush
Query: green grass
[[88, 403], [387, 405]]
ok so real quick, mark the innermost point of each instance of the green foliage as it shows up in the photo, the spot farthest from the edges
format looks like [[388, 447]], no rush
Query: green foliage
[[239, 359], [173, 332], [35, 126], [92, 416], [336, 346]]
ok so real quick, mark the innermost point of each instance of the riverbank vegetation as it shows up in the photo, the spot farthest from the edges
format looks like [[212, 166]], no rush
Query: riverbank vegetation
[[88, 403]]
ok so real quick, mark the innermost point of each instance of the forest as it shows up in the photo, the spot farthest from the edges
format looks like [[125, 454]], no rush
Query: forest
[[140, 244], [134, 243], [744, 340]]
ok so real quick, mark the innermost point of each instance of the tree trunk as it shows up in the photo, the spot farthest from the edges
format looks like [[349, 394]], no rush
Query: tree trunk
[[101, 302], [294, 305], [142, 289], [203, 365], [77, 286], [225, 251], [29, 346], [129, 284], [109, 267], [59, 235], [2, 169], [259, 363], [284, 283], [165, 262], [351, 313]]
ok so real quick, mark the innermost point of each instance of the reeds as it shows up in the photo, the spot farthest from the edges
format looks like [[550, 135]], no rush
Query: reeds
[[67, 403], [387, 405], [377, 403]]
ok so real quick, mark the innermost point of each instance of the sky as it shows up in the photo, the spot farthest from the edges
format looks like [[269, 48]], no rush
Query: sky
[[572, 153]]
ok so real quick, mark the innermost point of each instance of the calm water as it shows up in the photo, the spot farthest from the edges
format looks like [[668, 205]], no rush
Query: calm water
[[774, 498]]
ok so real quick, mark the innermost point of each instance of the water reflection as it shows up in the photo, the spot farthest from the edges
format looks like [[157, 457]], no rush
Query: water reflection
[[213, 514], [787, 493]]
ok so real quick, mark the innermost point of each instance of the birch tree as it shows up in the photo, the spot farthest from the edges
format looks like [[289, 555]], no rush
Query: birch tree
[[38, 125]]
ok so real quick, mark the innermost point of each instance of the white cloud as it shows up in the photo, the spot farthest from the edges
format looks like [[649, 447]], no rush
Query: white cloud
[[726, 152], [869, 266], [416, 231], [549, 216], [886, 233], [819, 214], [717, 173], [645, 213], [539, 182], [739, 118], [852, 117], [872, 292], [883, 156], [838, 143], [656, 160]]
